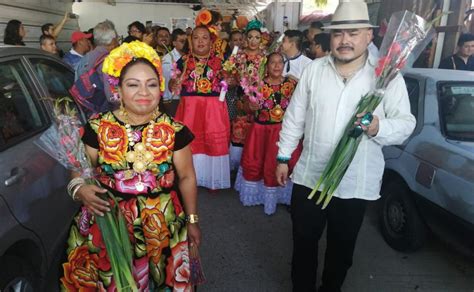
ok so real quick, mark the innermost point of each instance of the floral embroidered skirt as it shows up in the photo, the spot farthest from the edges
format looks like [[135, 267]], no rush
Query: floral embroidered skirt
[[158, 235]]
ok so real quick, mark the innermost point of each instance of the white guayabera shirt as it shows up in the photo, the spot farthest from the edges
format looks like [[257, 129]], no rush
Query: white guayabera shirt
[[167, 66], [321, 107]]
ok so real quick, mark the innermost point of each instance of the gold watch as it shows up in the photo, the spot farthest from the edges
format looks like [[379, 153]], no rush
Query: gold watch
[[192, 218]]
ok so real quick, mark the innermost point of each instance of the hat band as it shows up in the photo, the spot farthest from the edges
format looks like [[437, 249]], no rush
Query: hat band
[[350, 22]]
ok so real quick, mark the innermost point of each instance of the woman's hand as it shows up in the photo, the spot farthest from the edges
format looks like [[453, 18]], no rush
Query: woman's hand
[[194, 234], [174, 86], [88, 196]]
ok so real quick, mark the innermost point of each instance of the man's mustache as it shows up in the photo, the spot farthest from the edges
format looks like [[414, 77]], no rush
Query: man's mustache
[[345, 48]]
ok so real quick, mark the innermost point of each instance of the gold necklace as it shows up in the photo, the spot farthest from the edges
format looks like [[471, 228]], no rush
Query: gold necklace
[[140, 156]]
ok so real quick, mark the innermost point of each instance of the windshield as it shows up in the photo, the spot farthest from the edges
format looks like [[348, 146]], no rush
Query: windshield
[[457, 110]]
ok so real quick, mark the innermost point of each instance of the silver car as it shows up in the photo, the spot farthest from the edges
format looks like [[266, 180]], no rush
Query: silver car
[[35, 210], [429, 180]]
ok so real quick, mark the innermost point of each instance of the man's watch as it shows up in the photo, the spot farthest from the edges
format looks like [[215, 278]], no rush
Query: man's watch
[[192, 218]]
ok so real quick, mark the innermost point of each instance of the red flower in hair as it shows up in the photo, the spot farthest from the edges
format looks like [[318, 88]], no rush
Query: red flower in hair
[[203, 18]]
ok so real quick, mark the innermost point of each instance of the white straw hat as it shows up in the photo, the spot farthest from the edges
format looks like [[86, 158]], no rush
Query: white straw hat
[[350, 14]]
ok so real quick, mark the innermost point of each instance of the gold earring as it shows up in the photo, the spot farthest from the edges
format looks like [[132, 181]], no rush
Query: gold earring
[[122, 109]]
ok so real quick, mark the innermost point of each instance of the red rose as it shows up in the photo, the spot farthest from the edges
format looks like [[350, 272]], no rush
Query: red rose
[[81, 270], [162, 141], [96, 238], [264, 116], [167, 180], [178, 208], [129, 210], [113, 141], [215, 64], [155, 230], [177, 269]]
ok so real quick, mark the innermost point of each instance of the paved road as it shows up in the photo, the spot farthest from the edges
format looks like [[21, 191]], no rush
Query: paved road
[[245, 250]]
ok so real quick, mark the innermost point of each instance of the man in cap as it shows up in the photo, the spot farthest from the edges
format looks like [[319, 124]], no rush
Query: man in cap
[[324, 101], [81, 45]]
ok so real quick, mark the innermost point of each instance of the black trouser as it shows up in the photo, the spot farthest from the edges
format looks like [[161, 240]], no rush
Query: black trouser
[[344, 219]]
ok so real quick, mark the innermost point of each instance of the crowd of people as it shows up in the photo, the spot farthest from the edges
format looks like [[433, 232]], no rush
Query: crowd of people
[[170, 111]]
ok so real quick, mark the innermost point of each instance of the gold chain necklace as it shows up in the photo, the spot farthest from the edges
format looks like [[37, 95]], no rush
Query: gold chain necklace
[[140, 156]]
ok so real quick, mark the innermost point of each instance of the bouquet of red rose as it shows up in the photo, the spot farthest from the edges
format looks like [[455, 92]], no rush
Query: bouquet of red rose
[[62, 141], [407, 35]]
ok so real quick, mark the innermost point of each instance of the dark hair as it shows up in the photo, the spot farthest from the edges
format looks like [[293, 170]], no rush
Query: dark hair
[[216, 16], [12, 33], [324, 40], [45, 27], [130, 39], [295, 36], [138, 25], [45, 37], [134, 62], [201, 27], [234, 32], [317, 24], [162, 28], [273, 54], [464, 38], [256, 29], [176, 33]]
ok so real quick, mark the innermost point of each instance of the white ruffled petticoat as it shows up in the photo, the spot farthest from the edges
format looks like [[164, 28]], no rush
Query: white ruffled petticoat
[[254, 193], [212, 172]]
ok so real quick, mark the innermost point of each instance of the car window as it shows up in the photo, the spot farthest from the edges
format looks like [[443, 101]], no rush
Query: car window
[[456, 109], [56, 77], [20, 115], [413, 88]]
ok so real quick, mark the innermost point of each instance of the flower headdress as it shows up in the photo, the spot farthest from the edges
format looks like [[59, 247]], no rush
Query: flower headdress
[[204, 17], [125, 53], [254, 24]]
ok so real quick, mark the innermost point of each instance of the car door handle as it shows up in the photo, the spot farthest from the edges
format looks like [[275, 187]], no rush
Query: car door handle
[[15, 175]]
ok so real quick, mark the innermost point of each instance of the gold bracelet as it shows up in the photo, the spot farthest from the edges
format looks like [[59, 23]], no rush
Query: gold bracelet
[[192, 218]]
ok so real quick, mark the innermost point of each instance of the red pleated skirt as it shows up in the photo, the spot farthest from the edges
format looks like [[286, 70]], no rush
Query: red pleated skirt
[[208, 119], [260, 153]]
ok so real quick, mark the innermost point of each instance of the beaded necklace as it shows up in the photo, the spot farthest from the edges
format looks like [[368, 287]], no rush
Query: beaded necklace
[[140, 156], [199, 69]]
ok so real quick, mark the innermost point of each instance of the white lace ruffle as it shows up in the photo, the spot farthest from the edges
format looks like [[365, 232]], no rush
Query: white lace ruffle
[[235, 153], [212, 172], [254, 193]]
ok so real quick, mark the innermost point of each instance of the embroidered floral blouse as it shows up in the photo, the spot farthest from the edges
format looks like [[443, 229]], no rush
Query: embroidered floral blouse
[[250, 71], [119, 156], [274, 102], [201, 76]]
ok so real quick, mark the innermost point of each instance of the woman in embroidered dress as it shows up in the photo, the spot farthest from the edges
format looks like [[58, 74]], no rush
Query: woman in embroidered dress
[[256, 181], [201, 110], [138, 151], [213, 21], [249, 62]]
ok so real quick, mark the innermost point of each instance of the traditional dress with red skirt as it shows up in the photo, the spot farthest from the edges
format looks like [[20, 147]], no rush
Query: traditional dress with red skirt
[[256, 181], [207, 117], [250, 81]]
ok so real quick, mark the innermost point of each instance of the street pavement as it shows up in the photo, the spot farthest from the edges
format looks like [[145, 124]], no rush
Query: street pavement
[[245, 250]]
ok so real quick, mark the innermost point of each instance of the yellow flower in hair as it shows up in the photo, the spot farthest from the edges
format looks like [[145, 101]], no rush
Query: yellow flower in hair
[[122, 55]]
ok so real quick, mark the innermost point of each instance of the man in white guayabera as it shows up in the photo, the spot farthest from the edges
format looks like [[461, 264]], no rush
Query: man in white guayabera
[[323, 103]]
